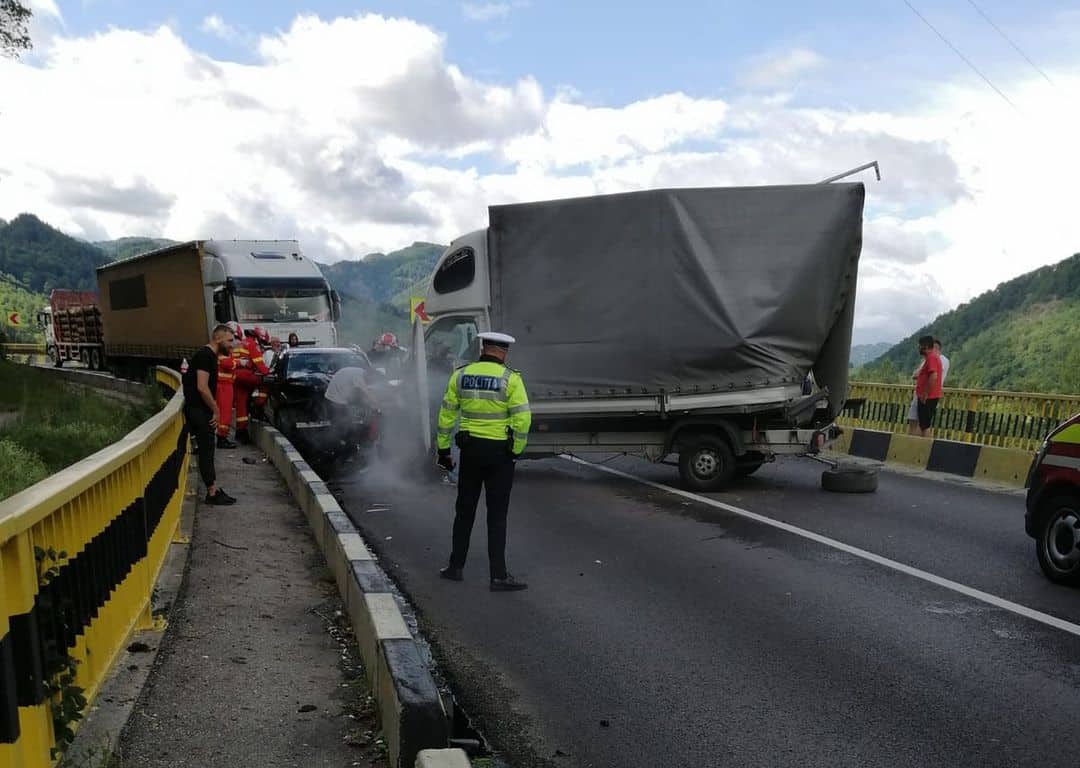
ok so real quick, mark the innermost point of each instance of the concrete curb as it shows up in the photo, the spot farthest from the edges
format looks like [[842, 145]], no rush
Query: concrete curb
[[1005, 466], [410, 708]]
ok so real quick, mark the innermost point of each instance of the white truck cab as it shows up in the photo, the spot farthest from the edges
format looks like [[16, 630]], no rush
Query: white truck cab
[[270, 284]]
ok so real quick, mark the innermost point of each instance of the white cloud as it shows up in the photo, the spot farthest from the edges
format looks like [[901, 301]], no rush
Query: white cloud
[[217, 26], [356, 134], [779, 69], [486, 11]]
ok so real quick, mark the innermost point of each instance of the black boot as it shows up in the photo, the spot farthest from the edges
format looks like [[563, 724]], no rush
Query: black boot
[[452, 574], [224, 442]]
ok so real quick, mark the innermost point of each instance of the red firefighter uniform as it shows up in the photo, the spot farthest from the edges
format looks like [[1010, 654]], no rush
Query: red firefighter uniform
[[249, 366], [224, 394]]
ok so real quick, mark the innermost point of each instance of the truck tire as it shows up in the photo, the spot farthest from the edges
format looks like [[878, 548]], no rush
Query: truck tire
[[57, 358], [94, 360], [849, 479], [1058, 543], [707, 464]]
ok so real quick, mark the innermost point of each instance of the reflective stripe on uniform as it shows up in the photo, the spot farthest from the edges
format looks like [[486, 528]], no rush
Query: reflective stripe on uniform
[[469, 416], [480, 394], [1067, 462], [448, 405], [520, 409]]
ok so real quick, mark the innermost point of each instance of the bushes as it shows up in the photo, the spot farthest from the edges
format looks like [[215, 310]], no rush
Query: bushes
[[19, 468], [55, 425]]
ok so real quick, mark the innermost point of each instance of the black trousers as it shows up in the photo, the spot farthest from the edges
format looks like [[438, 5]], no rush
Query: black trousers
[[485, 465], [198, 422]]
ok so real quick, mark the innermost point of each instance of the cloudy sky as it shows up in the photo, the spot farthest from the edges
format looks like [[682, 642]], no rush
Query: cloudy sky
[[359, 127]]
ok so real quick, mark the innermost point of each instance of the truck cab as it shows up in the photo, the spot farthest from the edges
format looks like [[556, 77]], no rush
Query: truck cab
[[271, 284]]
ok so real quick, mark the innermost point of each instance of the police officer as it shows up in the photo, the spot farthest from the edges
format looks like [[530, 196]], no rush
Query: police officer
[[494, 410]]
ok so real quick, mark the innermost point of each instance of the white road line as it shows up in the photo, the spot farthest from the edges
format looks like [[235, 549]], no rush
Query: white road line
[[975, 594]]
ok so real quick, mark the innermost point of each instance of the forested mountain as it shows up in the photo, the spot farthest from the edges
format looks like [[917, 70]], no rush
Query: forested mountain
[[126, 247], [375, 291], [15, 297], [861, 354], [1022, 336], [43, 258]]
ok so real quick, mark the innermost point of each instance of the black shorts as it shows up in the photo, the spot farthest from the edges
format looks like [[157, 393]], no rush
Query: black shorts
[[927, 409]]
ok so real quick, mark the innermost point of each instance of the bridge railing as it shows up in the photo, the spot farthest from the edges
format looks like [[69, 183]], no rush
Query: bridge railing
[[1006, 419], [79, 555]]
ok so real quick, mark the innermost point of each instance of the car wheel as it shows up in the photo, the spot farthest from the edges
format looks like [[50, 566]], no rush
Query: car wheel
[[707, 465], [1058, 543], [849, 479]]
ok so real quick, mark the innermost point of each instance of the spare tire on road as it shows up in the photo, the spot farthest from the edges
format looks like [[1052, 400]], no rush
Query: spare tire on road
[[850, 479]]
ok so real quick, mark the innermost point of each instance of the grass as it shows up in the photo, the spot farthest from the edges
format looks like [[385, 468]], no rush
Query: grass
[[55, 426]]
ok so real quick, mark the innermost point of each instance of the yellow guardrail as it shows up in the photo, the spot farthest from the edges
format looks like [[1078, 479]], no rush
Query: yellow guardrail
[[1006, 419], [79, 555], [23, 349]]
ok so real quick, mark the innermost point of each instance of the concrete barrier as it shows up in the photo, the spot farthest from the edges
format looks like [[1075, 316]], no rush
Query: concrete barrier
[[442, 758], [1005, 466], [411, 712]]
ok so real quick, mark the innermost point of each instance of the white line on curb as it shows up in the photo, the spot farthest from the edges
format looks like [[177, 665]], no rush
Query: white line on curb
[[975, 594]]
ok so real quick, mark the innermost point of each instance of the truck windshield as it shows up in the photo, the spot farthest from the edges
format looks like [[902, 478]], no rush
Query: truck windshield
[[282, 305]]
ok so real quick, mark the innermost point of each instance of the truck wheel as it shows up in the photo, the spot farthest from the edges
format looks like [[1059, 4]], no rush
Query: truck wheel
[[94, 360], [749, 464], [849, 479], [57, 358], [1058, 543], [707, 465]]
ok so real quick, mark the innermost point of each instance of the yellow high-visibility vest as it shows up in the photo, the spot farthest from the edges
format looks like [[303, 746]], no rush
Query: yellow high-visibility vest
[[491, 402]]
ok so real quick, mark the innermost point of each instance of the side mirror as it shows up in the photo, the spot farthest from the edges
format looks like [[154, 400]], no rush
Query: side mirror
[[335, 305], [221, 308]]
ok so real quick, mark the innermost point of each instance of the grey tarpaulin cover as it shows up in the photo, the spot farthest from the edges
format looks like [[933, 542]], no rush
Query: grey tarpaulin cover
[[679, 291]]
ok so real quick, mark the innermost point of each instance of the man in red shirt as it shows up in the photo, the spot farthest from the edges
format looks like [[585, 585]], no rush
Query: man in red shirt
[[928, 384]]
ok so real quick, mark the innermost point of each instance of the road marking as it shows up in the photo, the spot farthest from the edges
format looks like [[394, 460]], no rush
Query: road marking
[[918, 573]]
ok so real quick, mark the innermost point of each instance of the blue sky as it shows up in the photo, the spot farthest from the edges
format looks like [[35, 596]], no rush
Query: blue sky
[[365, 127], [880, 54]]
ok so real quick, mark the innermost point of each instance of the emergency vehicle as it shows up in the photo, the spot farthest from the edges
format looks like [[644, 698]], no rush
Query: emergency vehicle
[[1053, 503]]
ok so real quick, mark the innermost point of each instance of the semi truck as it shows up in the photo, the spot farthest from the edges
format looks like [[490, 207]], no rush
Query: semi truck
[[158, 308], [71, 325], [713, 325]]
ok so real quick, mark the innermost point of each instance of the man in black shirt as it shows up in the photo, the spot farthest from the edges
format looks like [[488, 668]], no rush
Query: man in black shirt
[[201, 410]]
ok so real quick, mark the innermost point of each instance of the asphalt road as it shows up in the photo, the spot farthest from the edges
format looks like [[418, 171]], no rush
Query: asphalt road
[[660, 631]]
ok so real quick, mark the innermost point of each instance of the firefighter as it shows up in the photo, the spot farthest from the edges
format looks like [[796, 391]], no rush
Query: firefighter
[[250, 367], [494, 425], [224, 393], [258, 396]]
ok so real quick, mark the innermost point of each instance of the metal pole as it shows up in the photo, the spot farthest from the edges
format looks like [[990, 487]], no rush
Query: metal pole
[[853, 171]]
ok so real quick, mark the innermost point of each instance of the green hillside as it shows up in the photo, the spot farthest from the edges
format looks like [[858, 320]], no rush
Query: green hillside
[[861, 354], [375, 291], [43, 258], [14, 297], [126, 247], [385, 277], [1022, 336]]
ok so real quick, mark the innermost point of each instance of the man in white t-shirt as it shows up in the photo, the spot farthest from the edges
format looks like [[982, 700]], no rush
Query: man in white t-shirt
[[944, 361]]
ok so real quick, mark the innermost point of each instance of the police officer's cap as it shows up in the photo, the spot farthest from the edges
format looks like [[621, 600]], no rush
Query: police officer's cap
[[491, 338]]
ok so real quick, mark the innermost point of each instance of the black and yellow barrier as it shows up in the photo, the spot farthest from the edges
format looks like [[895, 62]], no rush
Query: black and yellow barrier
[[1005, 466], [112, 517], [1017, 420]]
